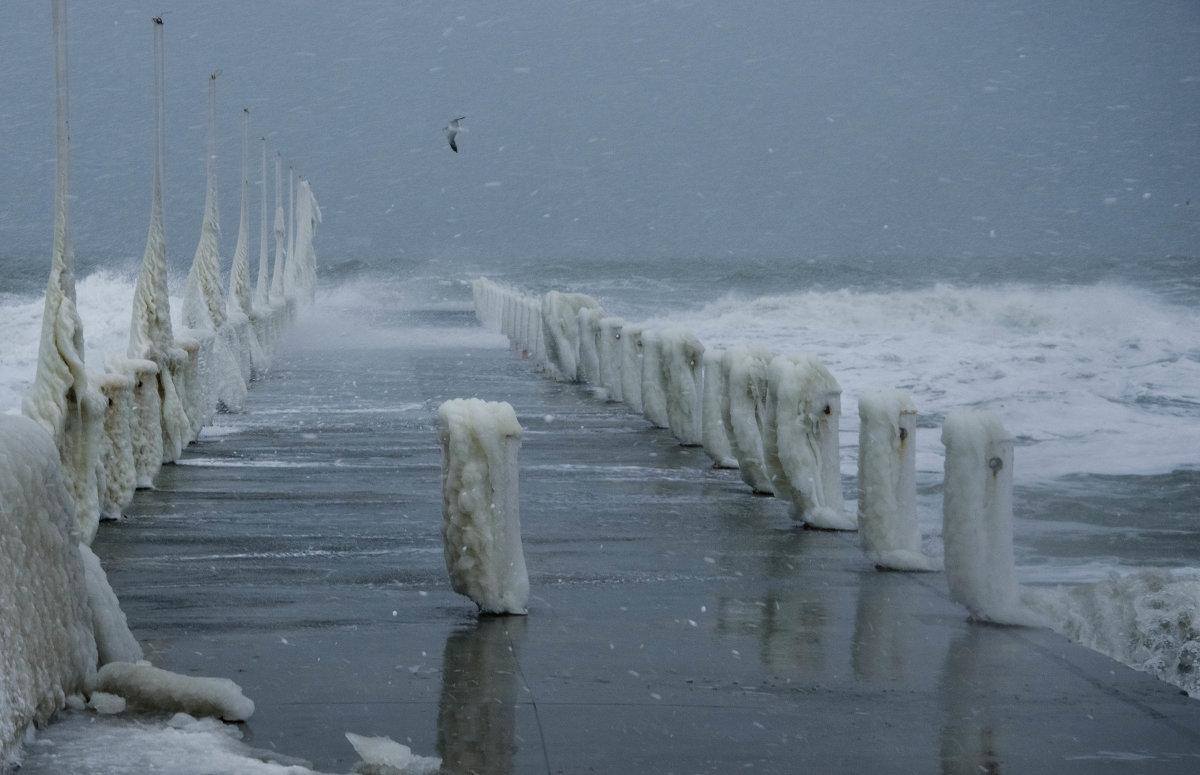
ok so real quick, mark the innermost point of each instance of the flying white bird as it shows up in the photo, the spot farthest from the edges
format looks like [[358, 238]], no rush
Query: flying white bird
[[452, 129]]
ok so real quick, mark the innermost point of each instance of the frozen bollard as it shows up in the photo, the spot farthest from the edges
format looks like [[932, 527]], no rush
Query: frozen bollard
[[481, 524], [977, 518], [118, 473], [887, 482], [800, 443], [631, 367], [610, 356], [589, 345], [746, 371], [654, 386], [560, 332], [715, 403], [682, 355]]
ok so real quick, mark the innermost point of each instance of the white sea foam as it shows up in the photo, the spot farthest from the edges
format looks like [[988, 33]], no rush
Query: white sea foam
[[1098, 379]]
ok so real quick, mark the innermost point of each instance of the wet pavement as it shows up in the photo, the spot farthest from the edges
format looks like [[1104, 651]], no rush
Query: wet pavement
[[677, 623]]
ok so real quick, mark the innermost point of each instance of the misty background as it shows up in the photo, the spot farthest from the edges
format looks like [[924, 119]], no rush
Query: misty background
[[989, 135]]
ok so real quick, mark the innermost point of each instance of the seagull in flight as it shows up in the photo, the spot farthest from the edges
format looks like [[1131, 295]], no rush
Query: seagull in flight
[[452, 129]]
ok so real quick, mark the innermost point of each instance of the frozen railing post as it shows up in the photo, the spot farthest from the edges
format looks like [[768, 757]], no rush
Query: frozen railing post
[[715, 405], [631, 367], [654, 386], [609, 346], [800, 441], [481, 525], [977, 518], [887, 482], [746, 380], [682, 363], [589, 345]]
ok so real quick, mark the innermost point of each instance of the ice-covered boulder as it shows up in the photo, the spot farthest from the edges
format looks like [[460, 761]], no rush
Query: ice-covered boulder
[[887, 482], [800, 443], [46, 644], [746, 370], [977, 518], [481, 525], [384, 756], [713, 407]]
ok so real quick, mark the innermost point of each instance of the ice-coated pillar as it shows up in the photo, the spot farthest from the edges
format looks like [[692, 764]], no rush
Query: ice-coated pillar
[[560, 333], [589, 345], [800, 441], [654, 386], [631, 367], [609, 347], [682, 354], [481, 524], [714, 404], [887, 482], [977, 518], [118, 475], [746, 377]]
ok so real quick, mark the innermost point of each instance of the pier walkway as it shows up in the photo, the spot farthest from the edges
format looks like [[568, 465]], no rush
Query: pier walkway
[[677, 623]]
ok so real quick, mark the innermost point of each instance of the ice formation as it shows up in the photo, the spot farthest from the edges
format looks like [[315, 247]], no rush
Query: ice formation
[[714, 405], [114, 641], [746, 370], [589, 344], [631, 366], [147, 687], [59, 398], [117, 472], [481, 526], [800, 441], [977, 518], [384, 756], [887, 486], [560, 332], [609, 347], [46, 644], [681, 360], [150, 333], [654, 383], [204, 297]]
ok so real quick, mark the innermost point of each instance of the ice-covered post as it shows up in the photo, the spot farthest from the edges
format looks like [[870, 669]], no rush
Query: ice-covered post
[[887, 482], [481, 525], [560, 332], [609, 347], [682, 355], [746, 378], [631, 367], [715, 403], [654, 384], [59, 399], [589, 345], [977, 518], [150, 334], [800, 441]]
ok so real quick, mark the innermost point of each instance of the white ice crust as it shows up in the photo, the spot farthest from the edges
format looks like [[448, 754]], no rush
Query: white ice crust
[[147, 687], [887, 494], [481, 526], [746, 378], [977, 518], [714, 406]]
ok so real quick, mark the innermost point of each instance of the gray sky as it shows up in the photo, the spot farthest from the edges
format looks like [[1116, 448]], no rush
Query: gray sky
[[1067, 128]]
